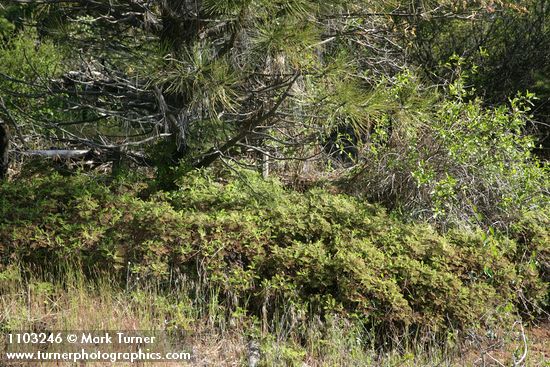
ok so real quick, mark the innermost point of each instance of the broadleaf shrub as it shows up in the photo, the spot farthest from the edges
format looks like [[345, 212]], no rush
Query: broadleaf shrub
[[456, 162]]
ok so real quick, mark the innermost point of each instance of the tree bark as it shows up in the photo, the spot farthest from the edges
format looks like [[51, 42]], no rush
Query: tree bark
[[4, 150]]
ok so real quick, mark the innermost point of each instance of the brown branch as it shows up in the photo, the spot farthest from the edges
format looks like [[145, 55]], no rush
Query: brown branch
[[8, 116], [246, 130]]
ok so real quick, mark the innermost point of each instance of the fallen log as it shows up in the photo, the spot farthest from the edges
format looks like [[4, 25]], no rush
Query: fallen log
[[90, 156], [59, 153]]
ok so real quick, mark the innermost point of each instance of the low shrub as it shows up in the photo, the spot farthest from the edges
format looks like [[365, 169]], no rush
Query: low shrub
[[265, 248]]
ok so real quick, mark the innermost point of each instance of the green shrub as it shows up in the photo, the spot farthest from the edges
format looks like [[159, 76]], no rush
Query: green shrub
[[269, 248], [454, 162], [533, 258]]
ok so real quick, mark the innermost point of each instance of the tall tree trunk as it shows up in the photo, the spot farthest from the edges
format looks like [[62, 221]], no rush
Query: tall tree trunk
[[180, 23]]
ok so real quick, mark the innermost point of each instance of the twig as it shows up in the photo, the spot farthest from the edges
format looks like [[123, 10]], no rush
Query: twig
[[525, 350]]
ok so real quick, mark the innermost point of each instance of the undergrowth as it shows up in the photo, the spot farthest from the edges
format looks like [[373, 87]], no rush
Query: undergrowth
[[40, 301], [272, 254]]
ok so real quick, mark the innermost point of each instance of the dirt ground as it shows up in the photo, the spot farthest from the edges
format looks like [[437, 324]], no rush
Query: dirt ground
[[509, 349]]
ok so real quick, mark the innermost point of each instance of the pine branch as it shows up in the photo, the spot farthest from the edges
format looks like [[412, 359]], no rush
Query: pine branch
[[246, 130]]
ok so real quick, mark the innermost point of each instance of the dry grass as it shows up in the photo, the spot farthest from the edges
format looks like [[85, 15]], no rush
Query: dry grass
[[36, 304]]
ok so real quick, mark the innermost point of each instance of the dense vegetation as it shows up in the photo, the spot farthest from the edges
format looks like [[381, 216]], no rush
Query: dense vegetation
[[378, 163], [317, 252]]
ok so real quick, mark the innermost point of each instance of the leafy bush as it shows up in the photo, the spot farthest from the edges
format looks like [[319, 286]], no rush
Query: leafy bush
[[456, 162], [266, 248], [533, 258]]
